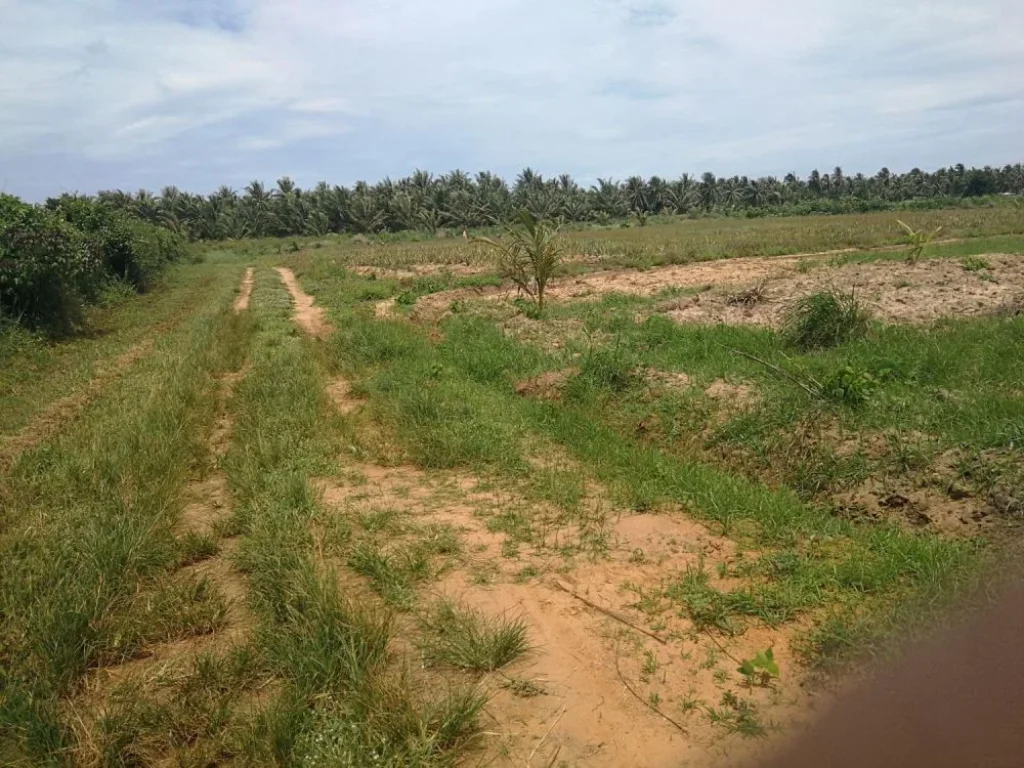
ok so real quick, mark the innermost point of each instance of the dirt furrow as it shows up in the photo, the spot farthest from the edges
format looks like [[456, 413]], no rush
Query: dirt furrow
[[307, 316], [244, 292]]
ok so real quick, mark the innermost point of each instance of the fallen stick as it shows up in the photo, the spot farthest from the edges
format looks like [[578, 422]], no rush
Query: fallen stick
[[640, 698], [608, 612]]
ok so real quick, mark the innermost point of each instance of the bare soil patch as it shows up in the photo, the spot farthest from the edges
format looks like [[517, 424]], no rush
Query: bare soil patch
[[414, 271], [895, 291], [307, 316], [546, 386], [574, 698], [244, 292], [339, 390]]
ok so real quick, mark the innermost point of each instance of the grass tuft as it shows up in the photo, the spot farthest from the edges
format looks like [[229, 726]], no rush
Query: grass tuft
[[461, 637], [824, 320]]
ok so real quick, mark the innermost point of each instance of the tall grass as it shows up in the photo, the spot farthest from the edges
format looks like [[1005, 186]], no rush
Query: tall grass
[[345, 698], [87, 533]]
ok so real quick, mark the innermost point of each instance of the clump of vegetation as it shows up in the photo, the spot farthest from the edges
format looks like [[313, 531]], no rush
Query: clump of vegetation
[[974, 263], [57, 258], [824, 320], [751, 296], [529, 256], [737, 716], [467, 639], [917, 240], [46, 267], [761, 669], [847, 385]]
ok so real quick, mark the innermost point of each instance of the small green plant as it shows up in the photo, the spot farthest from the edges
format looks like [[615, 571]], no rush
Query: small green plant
[[407, 298], [848, 386], [689, 703], [649, 667], [737, 716], [761, 669], [529, 256], [467, 639], [974, 264], [641, 216], [824, 320], [917, 240]]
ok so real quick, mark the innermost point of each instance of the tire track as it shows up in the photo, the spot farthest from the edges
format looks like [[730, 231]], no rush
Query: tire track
[[307, 316]]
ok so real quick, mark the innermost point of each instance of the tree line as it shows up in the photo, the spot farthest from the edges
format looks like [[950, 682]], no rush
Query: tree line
[[457, 200]]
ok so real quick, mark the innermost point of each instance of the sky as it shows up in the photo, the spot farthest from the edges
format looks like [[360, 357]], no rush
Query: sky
[[105, 94]]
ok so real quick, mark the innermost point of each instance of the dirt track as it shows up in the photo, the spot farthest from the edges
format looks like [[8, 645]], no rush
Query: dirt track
[[308, 317]]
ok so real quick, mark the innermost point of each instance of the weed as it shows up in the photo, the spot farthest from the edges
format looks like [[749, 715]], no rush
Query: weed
[[527, 573], [848, 386], [974, 263], [464, 638], [737, 716], [689, 704], [761, 669], [649, 666], [824, 320], [394, 573]]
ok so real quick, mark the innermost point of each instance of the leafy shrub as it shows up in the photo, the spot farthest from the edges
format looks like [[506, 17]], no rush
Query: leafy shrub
[[46, 267], [825, 319], [129, 250], [849, 386]]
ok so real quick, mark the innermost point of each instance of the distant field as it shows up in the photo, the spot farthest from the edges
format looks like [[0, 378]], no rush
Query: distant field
[[667, 240], [386, 512]]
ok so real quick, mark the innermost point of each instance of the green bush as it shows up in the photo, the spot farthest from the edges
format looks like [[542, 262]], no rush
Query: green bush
[[47, 269], [825, 319], [129, 250]]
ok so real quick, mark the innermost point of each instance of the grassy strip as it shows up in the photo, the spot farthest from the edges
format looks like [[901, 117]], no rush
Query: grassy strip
[[344, 701], [88, 539], [34, 371], [454, 404], [951, 387]]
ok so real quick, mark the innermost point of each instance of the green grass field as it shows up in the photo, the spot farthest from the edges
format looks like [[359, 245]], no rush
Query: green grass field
[[483, 535]]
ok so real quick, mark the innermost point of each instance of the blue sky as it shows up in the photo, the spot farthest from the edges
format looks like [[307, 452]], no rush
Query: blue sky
[[197, 93]]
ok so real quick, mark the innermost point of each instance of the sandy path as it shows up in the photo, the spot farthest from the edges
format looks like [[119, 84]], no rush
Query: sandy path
[[308, 317], [245, 291]]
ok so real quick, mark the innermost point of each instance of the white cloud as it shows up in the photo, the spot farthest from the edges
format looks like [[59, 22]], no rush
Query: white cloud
[[340, 88]]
